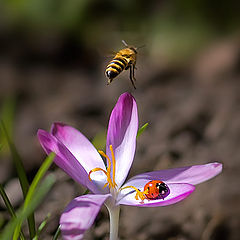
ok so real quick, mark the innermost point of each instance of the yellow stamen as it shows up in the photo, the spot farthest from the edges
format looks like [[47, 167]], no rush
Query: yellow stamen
[[108, 159], [110, 181], [95, 170], [105, 185], [114, 165], [139, 194]]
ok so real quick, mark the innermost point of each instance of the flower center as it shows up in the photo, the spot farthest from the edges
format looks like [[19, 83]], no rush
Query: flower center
[[110, 179]]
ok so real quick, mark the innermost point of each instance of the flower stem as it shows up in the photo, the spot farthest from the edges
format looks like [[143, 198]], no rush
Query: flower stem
[[114, 220]]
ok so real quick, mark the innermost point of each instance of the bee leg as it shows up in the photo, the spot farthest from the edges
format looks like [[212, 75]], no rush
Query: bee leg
[[109, 81], [133, 73], [132, 76]]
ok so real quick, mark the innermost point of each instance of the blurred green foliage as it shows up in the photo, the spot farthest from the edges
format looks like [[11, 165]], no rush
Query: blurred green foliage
[[99, 141], [23, 213], [44, 13], [7, 113], [18, 162], [33, 195], [92, 21], [130, 14]]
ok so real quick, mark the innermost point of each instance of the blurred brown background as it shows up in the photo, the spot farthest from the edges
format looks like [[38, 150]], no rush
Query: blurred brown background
[[52, 60]]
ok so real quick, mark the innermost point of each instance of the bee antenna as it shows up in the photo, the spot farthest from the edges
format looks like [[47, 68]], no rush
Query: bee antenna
[[124, 43]]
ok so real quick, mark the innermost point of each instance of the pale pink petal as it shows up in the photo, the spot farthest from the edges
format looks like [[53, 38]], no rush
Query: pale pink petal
[[122, 131], [65, 160], [78, 145], [79, 215], [192, 174], [177, 192]]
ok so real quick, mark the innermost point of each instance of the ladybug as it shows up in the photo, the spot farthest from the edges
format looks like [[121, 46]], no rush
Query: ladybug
[[156, 189]]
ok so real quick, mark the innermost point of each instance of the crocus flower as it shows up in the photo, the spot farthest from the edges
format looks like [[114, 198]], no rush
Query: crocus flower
[[80, 160]]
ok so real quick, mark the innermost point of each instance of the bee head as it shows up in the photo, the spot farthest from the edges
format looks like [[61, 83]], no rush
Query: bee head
[[131, 47]]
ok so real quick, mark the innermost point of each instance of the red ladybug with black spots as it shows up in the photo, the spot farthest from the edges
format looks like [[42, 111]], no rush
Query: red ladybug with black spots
[[156, 189]]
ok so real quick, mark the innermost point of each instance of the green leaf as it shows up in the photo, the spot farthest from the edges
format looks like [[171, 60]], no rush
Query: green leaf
[[41, 226], [7, 201], [9, 207], [42, 170], [17, 161], [142, 129], [32, 189], [23, 213], [21, 175], [57, 233]]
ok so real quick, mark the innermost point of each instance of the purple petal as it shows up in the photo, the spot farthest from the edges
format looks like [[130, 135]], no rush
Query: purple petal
[[65, 160], [78, 145], [191, 175], [178, 192], [79, 215], [122, 131]]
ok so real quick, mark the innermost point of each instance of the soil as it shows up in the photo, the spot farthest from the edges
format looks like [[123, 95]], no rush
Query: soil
[[193, 111]]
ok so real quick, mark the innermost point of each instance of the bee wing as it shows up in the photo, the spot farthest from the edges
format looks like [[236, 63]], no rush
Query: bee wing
[[110, 54], [105, 52]]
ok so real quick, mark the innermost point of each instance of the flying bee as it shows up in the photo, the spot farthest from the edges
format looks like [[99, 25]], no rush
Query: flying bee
[[123, 60]]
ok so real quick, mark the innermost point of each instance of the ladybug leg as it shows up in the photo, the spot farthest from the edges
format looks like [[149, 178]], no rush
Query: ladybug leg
[[161, 196]]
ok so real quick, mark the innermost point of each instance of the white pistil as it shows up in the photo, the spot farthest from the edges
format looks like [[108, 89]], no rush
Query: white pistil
[[113, 209]]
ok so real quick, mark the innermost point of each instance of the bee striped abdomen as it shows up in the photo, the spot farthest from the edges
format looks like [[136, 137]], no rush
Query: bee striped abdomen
[[123, 60], [115, 67]]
